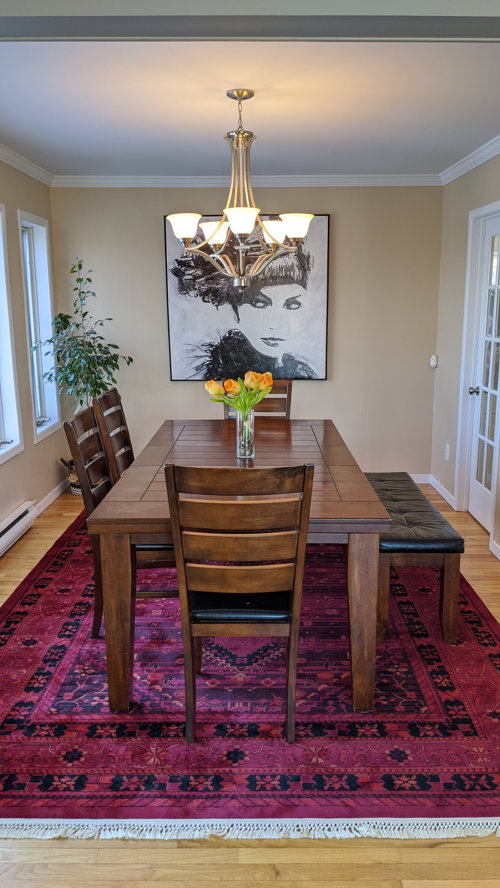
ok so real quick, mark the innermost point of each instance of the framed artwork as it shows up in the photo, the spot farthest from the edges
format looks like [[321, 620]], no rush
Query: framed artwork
[[278, 324]]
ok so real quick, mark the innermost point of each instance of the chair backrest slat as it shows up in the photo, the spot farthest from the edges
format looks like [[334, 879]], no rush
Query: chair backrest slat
[[239, 579], [90, 445], [270, 405], [233, 482], [240, 547], [114, 432], [120, 439], [114, 417], [88, 455], [254, 514]]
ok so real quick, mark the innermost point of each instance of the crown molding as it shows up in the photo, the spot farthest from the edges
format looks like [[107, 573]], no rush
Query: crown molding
[[24, 165], [257, 181], [141, 181], [476, 158]]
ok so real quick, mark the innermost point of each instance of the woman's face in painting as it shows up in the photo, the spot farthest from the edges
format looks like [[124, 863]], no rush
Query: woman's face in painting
[[269, 321]]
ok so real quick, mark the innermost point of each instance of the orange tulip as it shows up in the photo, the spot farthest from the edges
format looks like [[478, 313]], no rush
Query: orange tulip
[[252, 379], [265, 381], [232, 387], [214, 388]]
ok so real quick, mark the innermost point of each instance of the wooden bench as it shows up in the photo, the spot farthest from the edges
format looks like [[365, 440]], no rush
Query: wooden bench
[[418, 535]]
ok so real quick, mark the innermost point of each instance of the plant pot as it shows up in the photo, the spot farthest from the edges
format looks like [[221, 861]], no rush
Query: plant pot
[[74, 484]]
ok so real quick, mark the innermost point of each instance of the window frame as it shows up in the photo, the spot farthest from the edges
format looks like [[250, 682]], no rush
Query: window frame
[[39, 313], [9, 392]]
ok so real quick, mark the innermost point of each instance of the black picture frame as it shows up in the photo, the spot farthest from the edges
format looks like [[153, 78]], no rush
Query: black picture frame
[[279, 324]]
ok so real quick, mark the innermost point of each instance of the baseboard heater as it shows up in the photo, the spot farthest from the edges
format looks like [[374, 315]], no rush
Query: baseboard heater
[[14, 525]]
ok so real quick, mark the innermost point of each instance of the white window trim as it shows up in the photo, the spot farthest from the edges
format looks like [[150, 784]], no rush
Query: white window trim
[[39, 433], [9, 451]]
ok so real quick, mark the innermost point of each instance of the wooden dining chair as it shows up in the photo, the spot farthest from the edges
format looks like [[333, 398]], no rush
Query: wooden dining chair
[[240, 539], [87, 452], [114, 431], [276, 404]]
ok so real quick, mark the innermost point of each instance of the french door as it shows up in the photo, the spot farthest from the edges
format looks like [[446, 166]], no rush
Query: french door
[[484, 388]]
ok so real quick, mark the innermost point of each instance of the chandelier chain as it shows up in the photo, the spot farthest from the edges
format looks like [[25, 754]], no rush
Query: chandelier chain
[[240, 122]]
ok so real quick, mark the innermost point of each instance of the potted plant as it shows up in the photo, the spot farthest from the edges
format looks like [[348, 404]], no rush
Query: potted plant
[[84, 363]]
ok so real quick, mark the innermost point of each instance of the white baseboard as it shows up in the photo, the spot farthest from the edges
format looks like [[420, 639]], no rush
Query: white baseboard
[[495, 549], [443, 492], [421, 479], [47, 500]]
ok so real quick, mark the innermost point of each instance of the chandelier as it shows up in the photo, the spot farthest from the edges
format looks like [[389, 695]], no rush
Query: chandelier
[[241, 243]]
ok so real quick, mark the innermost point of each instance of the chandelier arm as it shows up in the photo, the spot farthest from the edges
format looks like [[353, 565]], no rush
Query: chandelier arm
[[267, 247], [220, 261], [207, 241], [261, 261]]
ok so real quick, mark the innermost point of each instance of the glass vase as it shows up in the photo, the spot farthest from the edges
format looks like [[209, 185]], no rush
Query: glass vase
[[245, 443]]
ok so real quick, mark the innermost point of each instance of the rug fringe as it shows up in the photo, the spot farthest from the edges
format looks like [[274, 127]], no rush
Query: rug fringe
[[381, 828]]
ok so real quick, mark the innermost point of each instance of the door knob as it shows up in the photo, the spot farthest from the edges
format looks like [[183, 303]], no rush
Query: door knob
[[473, 390]]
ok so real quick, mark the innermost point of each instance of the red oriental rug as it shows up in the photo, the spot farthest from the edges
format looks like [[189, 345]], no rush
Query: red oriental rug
[[425, 762]]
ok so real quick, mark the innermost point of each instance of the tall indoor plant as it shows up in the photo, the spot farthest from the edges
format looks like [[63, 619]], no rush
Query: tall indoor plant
[[84, 363]]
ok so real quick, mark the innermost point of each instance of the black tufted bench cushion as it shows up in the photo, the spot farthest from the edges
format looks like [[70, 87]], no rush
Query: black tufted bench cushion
[[418, 534], [416, 525]]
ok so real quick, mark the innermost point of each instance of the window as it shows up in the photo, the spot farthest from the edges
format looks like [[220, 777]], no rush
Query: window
[[10, 435], [35, 253]]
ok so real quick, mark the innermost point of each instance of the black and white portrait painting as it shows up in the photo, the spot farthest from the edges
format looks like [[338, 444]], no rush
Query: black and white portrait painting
[[277, 324]]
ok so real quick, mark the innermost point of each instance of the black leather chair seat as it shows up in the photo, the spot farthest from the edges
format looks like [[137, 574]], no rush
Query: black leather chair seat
[[219, 608], [416, 525]]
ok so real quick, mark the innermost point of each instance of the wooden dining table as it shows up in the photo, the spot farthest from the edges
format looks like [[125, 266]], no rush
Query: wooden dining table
[[345, 509]]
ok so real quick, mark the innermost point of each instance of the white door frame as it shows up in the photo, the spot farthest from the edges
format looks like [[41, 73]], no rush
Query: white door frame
[[472, 308]]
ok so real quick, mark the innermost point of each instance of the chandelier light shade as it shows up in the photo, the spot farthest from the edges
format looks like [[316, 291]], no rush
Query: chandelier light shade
[[240, 244], [214, 232], [185, 225]]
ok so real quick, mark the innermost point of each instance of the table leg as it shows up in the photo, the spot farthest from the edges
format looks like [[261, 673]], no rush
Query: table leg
[[118, 588], [362, 579]]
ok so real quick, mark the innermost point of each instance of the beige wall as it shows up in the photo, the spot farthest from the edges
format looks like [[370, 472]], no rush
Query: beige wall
[[383, 290], [476, 189], [35, 472], [384, 259]]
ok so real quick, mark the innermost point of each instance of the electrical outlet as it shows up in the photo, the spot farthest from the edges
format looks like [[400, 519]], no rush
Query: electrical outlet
[[446, 452]]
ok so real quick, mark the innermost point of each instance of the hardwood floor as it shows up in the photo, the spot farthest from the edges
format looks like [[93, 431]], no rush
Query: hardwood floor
[[23, 555], [336, 863]]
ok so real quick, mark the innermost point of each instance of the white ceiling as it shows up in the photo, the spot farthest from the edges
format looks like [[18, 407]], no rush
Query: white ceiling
[[159, 109]]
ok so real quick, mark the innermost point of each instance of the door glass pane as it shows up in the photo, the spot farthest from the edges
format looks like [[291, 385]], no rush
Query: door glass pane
[[486, 364], [484, 408], [489, 466], [496, 363], [494, 261], [493, 417], [490, 313], [497, 328], [480, 461]]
